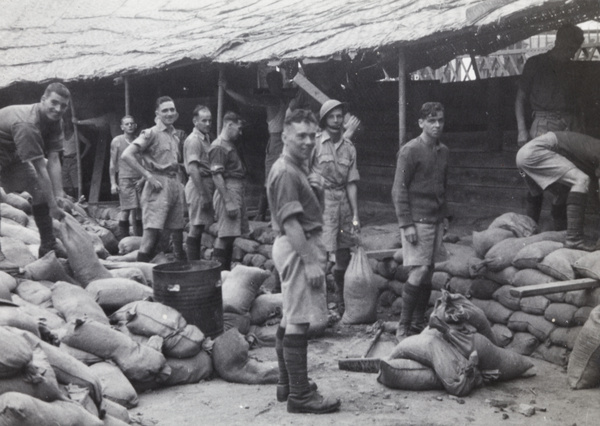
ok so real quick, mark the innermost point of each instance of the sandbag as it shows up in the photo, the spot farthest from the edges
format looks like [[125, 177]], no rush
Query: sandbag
[[23, 410], [565, 336], [504, 276], [149, 318], [360, 295], [129, 257], [239, 322], [46, 316], [186, 343], [460, 285], [406, 374], [146, 268], [16, 251], [556, 297], [494, 311], [189, 370], [241, 287], [559, 263], [129, 244], [263, 336], [15, 355], [554, 354], [138, 362], [18, 202], [503, 334], [581, 315], [12, 213], [535, 305], [74, 302], [231, 361], [531, 276], [588, 266], [135, 274], [485, 240], [264, 307], [529, 256], [509, 365], [83, 356], [457, 260], [561, 314], [534, 324], [520, 225], [47, 268], [458, 375], [116, 411], [82, 256], [482, 288], [34, 292], [114, 293], [502, 254], [115, 385], [523, 343], [440, 280], [14, 316], [583, 369], [38, 381], [387, 268], [109, 241], [8, 281], [579, 298], [19, 232], [503, 296]]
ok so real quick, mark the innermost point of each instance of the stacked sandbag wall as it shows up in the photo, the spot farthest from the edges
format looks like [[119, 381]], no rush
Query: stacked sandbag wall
[[491, 263]]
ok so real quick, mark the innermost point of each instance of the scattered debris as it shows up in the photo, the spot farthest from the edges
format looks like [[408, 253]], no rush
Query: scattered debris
[[527, 410]]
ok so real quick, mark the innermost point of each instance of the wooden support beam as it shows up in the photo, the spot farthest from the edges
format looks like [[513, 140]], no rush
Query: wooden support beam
[[310, 88], [100, 157], [220, 99], [127, 95], [540, 289], [401, 97]]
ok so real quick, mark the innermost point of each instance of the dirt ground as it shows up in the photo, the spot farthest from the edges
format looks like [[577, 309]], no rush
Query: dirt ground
[[364, 400]]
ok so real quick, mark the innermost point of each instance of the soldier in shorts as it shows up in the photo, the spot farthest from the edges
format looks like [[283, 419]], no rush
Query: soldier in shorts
[[419, 194], [126, 181], [569, 159], [162, 199], [228, 173], [200, 187], [299, 256], [334, 159]]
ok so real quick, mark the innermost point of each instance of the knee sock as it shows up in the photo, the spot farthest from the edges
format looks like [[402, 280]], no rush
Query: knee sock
[[138, 228], [422, 303], [295, 348], [193, 248], [41, 215], [143, 257], [410, 294], [123, 229], [283, 373], [219, 255]]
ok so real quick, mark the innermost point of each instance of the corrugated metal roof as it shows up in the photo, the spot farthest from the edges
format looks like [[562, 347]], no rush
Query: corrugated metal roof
[[78, 39]]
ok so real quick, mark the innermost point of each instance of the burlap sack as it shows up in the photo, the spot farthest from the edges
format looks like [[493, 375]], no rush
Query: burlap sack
[[74, 302], [11, 229], [360, 294], [503, 296], [530, 276], [115, 385], [561, 314], [588, 266], [457, 260], [482, 288], [49, 317], [503, 334], [559, 263], [114, 293], [406, 374], [565, 337], [18, 202], [494, 311], [16, 251], [485, 240], [523, 343], [8, 281], [533, 324], [15, 355], [240, 322], [14, 316], [264, 307], [135, 274], [34, 292], [581, 315], [504, 277], [584, 363], [509, 365], [149, 318], [535, 305], [129, 244], [189, 370], [12, 213], [529, 256], [440, 280], [554, 354], [520, 225], [241, 287]]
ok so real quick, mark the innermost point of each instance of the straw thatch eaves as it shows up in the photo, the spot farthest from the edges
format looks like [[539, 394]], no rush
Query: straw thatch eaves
[[81, 39]]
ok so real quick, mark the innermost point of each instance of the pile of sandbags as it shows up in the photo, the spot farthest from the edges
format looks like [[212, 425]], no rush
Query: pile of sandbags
[[510, 254]]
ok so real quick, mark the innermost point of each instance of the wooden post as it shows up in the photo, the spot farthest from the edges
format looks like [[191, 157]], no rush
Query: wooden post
[[127, 96], [220, 97], [401, 97], [77, 151]]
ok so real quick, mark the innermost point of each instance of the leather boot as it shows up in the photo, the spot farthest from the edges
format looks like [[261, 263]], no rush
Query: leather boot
[[410, 294], [193, 248], [338, 277], [419, 321], [559, 216], [41, 215], [534, 206], [576, 202], [301, 398], [283, 384]]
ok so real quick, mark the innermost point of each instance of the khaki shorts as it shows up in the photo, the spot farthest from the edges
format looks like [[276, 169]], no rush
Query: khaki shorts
[[544, 166], [302, 303], [337, 221], [231, 227], [163, 209], [197, 198], [129, 195], [428, 249]]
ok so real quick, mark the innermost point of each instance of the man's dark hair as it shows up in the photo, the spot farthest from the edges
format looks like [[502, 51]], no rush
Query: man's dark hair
[[232, 117], [127, 116], [58, 88], [300, 116], [200, 108], [162, 100], [430, 108], [569, 32]]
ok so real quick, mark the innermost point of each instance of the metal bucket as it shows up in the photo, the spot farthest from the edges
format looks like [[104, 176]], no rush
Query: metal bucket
[[193, 289]]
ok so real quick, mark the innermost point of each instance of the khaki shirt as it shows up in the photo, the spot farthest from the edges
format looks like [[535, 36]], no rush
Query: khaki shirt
[[159, 146], [337, 165], [195, 149]]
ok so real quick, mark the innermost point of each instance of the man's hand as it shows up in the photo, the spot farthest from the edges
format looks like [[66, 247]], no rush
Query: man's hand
[[232, 210], [522, 138], [139, 185], [154, 183], [351, 124], [114, 189], [315, 181], [314, 274], [57, 213], [410, 233]]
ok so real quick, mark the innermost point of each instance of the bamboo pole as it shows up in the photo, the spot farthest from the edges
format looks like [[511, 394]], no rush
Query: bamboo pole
[[77, 151], [401, 97], [220, 97], [127, 96]]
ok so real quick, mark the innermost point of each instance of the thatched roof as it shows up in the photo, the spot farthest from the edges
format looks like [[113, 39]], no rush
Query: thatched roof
[[82, 39]]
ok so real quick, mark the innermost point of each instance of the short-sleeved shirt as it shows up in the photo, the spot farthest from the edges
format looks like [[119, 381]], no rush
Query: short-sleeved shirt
[[419, 190], [549, 84], [225, 159], [159, 146], [290, 194], [117, 146], [18, 122], [336, 164], [195, 149], [582, 150]]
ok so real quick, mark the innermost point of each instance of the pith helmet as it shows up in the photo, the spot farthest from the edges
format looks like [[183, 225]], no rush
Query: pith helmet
[[327, 107]]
